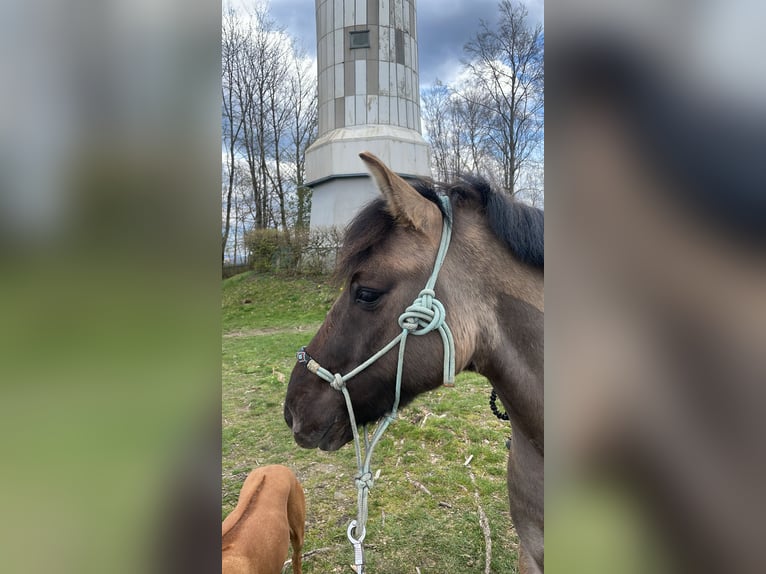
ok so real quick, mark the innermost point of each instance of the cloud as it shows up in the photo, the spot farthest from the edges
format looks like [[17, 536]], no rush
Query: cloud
[[299, 18], [444, 27]]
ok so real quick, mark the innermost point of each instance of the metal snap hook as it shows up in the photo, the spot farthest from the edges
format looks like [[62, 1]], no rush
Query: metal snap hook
[[352, 526]]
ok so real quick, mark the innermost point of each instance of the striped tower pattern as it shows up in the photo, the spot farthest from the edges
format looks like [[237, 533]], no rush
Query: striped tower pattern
[[369, 99]]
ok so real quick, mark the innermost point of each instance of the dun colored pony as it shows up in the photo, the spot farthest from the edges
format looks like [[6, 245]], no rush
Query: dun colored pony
[[491, 285], [270, 514]]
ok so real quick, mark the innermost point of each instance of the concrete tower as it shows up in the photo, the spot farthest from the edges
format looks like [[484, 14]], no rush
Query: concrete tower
[[369, 99]]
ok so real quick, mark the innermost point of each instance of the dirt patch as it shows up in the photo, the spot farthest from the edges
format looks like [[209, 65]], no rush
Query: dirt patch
[[270, 331]]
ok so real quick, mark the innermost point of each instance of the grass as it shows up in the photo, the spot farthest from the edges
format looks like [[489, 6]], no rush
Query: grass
[[256, 301], [427, 446]]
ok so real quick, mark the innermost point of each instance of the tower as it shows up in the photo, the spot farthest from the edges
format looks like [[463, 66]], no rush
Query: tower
[[369, 99]]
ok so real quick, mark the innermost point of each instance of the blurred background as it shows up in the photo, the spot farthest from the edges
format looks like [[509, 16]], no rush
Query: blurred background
[[656, 184], [110, 282], [109, 285]]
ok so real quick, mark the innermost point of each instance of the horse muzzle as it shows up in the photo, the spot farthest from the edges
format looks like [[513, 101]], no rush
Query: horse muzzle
[[328, 438]]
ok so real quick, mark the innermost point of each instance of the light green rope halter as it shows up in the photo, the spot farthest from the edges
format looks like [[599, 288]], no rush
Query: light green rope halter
[[426, 314]]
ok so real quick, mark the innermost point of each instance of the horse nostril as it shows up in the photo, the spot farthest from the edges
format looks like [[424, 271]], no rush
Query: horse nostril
[[288, 417], [292, 422]]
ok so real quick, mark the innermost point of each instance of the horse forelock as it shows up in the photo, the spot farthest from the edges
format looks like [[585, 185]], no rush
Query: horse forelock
[[370, 226]]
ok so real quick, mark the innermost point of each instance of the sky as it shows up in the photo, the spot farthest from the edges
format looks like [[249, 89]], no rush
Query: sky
[[444, 27]]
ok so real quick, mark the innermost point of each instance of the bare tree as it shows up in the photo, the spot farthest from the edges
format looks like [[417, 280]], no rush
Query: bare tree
[[232, 48], [303, 131], [269, 120], [260, 76], [437, 123], [278, 116], [474, 123], [507, 64], [456, 127], [443, 115], [491, 121]]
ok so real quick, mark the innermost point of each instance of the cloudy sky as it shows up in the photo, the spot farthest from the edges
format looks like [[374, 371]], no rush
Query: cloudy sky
[[444, 26]]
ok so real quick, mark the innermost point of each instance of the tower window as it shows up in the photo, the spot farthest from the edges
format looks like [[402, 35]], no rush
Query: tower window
[[359, 39], [399, 44]]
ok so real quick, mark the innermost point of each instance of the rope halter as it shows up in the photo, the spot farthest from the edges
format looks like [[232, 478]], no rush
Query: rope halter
[[426, 314]]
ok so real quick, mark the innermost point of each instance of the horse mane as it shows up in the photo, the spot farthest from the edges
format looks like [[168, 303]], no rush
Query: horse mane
[[520, 227]]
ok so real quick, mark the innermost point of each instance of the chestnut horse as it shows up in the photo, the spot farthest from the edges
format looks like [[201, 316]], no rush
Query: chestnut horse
[[491, 286]]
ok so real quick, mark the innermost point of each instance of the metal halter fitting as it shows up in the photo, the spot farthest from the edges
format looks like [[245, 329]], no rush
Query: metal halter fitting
[[426, 314]]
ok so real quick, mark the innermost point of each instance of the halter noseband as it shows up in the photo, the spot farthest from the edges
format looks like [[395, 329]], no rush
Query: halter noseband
[[426, 314]]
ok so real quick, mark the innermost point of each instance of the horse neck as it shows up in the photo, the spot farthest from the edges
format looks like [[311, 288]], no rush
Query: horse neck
[[501, 325], [513, 362]]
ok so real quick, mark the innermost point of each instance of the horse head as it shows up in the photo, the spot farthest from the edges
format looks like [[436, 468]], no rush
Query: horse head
[[386, 259]]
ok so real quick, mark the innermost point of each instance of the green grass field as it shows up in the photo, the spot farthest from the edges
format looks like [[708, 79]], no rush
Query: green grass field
[[424, 507]]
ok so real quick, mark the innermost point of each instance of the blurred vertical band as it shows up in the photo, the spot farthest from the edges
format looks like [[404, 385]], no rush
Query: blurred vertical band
[[656, 287], [109, 286]]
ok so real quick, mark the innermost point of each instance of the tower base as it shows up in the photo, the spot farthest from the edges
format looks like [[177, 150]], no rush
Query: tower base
[[340, 184]]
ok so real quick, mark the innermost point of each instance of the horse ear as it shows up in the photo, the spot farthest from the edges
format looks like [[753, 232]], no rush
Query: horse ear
[[404, 202]]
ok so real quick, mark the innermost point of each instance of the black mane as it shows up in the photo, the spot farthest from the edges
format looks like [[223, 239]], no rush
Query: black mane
[[519, 226]]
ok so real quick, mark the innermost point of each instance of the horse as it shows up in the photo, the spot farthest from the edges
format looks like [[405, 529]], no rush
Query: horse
[[491, 288]]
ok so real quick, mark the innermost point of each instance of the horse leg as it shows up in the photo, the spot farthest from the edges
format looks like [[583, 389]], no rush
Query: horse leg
[[526, 564], [525, 494]]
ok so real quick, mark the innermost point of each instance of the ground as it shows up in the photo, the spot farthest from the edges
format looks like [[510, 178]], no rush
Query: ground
[[425, 505]]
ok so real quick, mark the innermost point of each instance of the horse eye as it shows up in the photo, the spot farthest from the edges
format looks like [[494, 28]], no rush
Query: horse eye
[[366, 296]]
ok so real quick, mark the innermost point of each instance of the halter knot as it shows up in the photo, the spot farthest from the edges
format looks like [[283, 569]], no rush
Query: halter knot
[[364, 481], [337, 383], [426, 314]]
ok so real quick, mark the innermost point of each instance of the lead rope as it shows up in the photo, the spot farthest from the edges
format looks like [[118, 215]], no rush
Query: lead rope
[[426, 314]]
